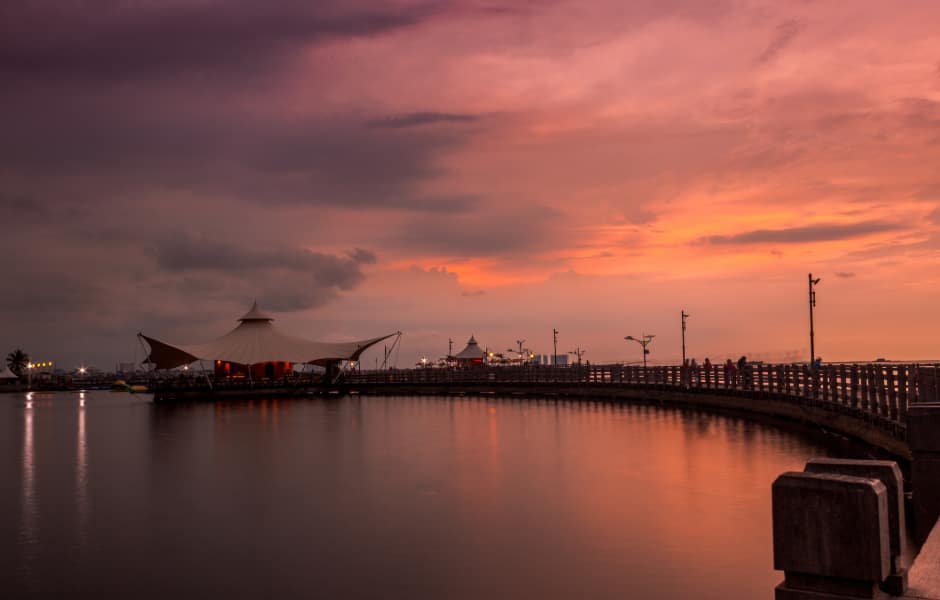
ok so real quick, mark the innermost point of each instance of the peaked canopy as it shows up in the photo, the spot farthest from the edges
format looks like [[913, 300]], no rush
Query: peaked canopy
[[472, 351], [6, 373], [256, 340]]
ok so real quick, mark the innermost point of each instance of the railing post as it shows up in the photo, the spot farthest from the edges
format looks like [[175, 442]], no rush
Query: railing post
[[854, 389], [892, 394], [834, 383], [843, 376], [902, 392], [882, 392], [825, 373], [814, 383]]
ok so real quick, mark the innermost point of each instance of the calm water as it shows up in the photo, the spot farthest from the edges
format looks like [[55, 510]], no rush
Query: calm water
[[111, 495]]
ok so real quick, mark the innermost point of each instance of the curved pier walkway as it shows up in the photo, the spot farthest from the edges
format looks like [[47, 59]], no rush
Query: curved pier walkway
[[867, 401]]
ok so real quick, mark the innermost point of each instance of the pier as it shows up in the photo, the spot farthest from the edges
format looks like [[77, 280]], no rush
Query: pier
[[868, 402]]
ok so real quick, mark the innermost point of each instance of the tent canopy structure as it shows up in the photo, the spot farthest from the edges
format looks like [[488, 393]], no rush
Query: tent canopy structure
[[254, 341], [6, 373], [472, 351]]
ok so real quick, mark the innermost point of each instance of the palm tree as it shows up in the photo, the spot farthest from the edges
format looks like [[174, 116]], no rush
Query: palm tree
[[17, 361]]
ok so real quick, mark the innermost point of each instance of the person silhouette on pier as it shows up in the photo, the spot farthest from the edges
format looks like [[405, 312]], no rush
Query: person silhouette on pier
[[744, 373]]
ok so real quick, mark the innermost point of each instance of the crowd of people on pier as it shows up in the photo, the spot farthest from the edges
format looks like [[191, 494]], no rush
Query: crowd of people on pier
[[740, 373], [735, 373]]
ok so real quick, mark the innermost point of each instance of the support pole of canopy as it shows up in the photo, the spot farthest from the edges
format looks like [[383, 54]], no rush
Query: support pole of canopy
[[151, 366], [250, 382], [388, 351], [206, 375]]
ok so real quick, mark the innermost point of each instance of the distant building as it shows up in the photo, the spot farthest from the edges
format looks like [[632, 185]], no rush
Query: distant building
[[547, 359], [470, 356], [126, 367]]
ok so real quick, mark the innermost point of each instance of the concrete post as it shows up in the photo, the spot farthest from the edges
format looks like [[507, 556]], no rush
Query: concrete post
[[830, 536], [889, 474], [923, 437]]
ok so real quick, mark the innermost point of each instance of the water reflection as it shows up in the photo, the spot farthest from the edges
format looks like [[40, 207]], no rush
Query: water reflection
[[28, 506], [81, 474], [394, 497]]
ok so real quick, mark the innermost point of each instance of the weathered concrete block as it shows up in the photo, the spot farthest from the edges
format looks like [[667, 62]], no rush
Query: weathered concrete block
[[784, 592], [925, 480], [923, 437], [833, 526], [928, 384], [923, 427], [888, 473]]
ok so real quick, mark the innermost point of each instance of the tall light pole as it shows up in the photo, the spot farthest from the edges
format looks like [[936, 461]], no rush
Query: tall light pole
[[555, 347], [643, 341], [812, 305], [684, 317]]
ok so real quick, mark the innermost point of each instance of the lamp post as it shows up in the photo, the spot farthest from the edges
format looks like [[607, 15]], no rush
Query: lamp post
[[812, 305], [555, 347], [643, 341], [685, 316]]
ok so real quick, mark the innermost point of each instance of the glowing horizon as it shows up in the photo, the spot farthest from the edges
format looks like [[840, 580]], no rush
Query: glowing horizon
[[447, 168]]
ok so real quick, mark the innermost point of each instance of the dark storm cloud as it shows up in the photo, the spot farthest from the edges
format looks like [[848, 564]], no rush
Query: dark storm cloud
[[419, 118], [43, 39], [810, 233], [783, 36], [182, 253], [263, 160]]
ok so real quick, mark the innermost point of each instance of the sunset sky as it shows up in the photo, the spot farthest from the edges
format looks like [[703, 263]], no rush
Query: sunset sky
[[472, 167]]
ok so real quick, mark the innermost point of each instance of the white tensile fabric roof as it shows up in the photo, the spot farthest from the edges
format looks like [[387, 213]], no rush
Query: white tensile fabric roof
[[256, 340], [472, 351], [6, 373]]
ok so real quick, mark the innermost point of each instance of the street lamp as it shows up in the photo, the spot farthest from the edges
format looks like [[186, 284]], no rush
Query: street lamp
[[643, 341], [812, 305]]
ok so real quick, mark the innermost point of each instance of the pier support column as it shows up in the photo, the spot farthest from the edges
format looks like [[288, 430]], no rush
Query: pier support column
[[831, 536], [923, 437]]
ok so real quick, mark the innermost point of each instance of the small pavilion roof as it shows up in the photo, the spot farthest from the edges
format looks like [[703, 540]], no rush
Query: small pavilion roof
[[471, 352]]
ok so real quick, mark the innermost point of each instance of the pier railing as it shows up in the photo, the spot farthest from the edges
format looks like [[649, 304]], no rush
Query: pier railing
[[878, 391]]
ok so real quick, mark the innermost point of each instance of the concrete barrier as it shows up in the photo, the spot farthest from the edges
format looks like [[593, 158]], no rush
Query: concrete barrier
[[923, 437], [831, 536], [889, 474]]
